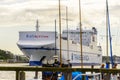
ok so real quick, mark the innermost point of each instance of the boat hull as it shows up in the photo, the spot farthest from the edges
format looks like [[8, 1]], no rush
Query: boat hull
[[35, 56]]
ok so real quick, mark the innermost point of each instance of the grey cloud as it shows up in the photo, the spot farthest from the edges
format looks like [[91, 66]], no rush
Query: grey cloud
[[93, 17], [115, 10], [25, 16], [10, 2]]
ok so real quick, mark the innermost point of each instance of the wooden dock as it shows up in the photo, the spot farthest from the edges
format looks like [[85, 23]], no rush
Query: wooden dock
[[20, 70]]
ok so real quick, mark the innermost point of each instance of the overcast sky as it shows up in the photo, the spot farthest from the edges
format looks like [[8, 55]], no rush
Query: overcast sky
[[20, 15]]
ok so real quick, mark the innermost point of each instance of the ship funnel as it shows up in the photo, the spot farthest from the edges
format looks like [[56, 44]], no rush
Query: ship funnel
[[37, 25]]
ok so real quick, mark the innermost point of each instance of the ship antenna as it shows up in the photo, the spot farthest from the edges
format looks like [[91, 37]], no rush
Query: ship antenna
[[37, 25]]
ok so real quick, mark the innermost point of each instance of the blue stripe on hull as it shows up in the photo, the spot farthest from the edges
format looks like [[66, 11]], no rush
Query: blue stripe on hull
[[38, 63], [85, 64], [35, 63]]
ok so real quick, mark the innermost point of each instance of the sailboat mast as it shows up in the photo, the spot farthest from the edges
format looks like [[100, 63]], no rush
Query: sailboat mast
[[109, 32], [55, 38], [67, 33], [80, 34], [106, 32], [60, 33]]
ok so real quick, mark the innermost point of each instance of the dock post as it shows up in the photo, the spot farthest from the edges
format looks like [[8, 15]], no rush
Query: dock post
[[17, 75], [22, 75], [36, 75], [83, 77], [67, 75], [92, 67], [107, 76]]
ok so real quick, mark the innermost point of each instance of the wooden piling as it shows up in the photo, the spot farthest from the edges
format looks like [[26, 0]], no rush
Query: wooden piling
[[17, 75], [22, 75], [36, 75], [106, 76], [92, 67], [67, 75], [83, 77]]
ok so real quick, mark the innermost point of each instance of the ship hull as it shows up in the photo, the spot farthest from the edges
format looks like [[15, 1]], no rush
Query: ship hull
[[36, 54]]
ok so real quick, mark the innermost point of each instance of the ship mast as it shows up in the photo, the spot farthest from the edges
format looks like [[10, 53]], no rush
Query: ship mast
[[37, 25]]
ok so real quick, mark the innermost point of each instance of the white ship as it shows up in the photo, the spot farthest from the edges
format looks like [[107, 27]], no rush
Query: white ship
[[41, 46]]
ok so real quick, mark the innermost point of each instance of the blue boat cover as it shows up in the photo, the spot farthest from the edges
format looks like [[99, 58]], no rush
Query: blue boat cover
[[74, 74], [47, 73], [107, 65]]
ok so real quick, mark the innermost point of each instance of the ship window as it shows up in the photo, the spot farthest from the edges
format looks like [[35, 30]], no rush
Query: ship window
[[64, 32], [91, 46], [93, 39], [84, 32], [42, 47], [73, 42], [56, 37], [64, 38]]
